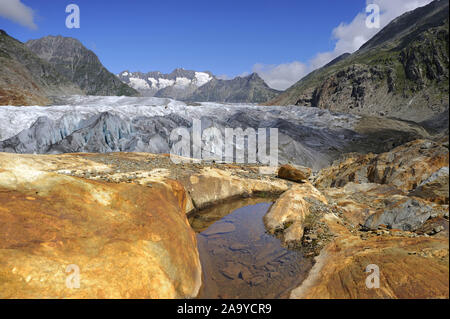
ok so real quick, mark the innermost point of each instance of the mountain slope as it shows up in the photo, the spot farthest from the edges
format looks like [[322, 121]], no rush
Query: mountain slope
[[401, 72], [249, 89], [26, 79], [179, 84], [80, 65]]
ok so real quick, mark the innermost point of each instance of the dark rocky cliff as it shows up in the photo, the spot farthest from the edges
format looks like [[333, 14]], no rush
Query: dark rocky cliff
[[80, 65], [26, 79]]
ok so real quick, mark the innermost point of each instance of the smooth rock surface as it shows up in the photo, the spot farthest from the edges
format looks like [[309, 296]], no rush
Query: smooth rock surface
[[213, 185], [409, 267], [288, 213], [128, 240]]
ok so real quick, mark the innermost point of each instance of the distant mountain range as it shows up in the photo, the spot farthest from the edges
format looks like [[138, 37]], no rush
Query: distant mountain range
[[186, 85], [401, 72], [249, 89], [38, 71], [177, 85]]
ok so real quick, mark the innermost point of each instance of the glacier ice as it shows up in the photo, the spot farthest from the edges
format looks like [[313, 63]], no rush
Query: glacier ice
[[307, 136]]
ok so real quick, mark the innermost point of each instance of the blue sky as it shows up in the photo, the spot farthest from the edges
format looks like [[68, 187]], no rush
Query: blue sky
[[225, 37]]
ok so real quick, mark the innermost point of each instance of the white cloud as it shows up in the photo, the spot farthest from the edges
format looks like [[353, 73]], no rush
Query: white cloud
[[348, 37], [16, 11], [223, 77], [281, 76], [244, 74]]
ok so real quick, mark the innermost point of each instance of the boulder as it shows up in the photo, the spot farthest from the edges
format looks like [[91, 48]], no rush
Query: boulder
[[287, 215], [296, 174]]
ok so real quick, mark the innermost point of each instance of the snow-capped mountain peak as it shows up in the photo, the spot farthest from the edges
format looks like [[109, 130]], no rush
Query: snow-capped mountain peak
[[178, 84]]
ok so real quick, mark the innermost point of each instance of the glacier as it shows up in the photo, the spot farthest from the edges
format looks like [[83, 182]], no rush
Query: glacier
[[307, 136]]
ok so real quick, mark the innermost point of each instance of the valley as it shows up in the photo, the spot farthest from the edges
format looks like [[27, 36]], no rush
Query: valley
[[191, 185]]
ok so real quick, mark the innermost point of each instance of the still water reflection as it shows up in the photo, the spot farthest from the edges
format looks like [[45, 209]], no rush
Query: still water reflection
[[239, 259]]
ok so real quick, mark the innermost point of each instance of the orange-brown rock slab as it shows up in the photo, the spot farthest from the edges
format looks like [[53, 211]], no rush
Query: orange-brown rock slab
[[409, 267], [359, 201], [213, 186], [404, 167], [128, 240], [296, 174], [288, 213]]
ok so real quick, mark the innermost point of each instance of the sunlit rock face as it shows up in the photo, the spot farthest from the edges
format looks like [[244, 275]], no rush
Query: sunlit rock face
[[121, 219], [414, 267], [386, 211], [405, 167], [287, 216], [125, 240], [306, 136], [401, 72], [400, 189]]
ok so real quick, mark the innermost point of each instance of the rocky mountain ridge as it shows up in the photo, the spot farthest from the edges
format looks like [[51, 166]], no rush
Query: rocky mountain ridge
[[73, 60], [188, 85], [27, 79], [247, 89], [401, 72], [40, 71]]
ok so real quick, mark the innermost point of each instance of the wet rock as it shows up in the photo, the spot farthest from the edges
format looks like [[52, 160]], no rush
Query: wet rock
[[238, 246], [219, 228], [231, 270], [296, 174]]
